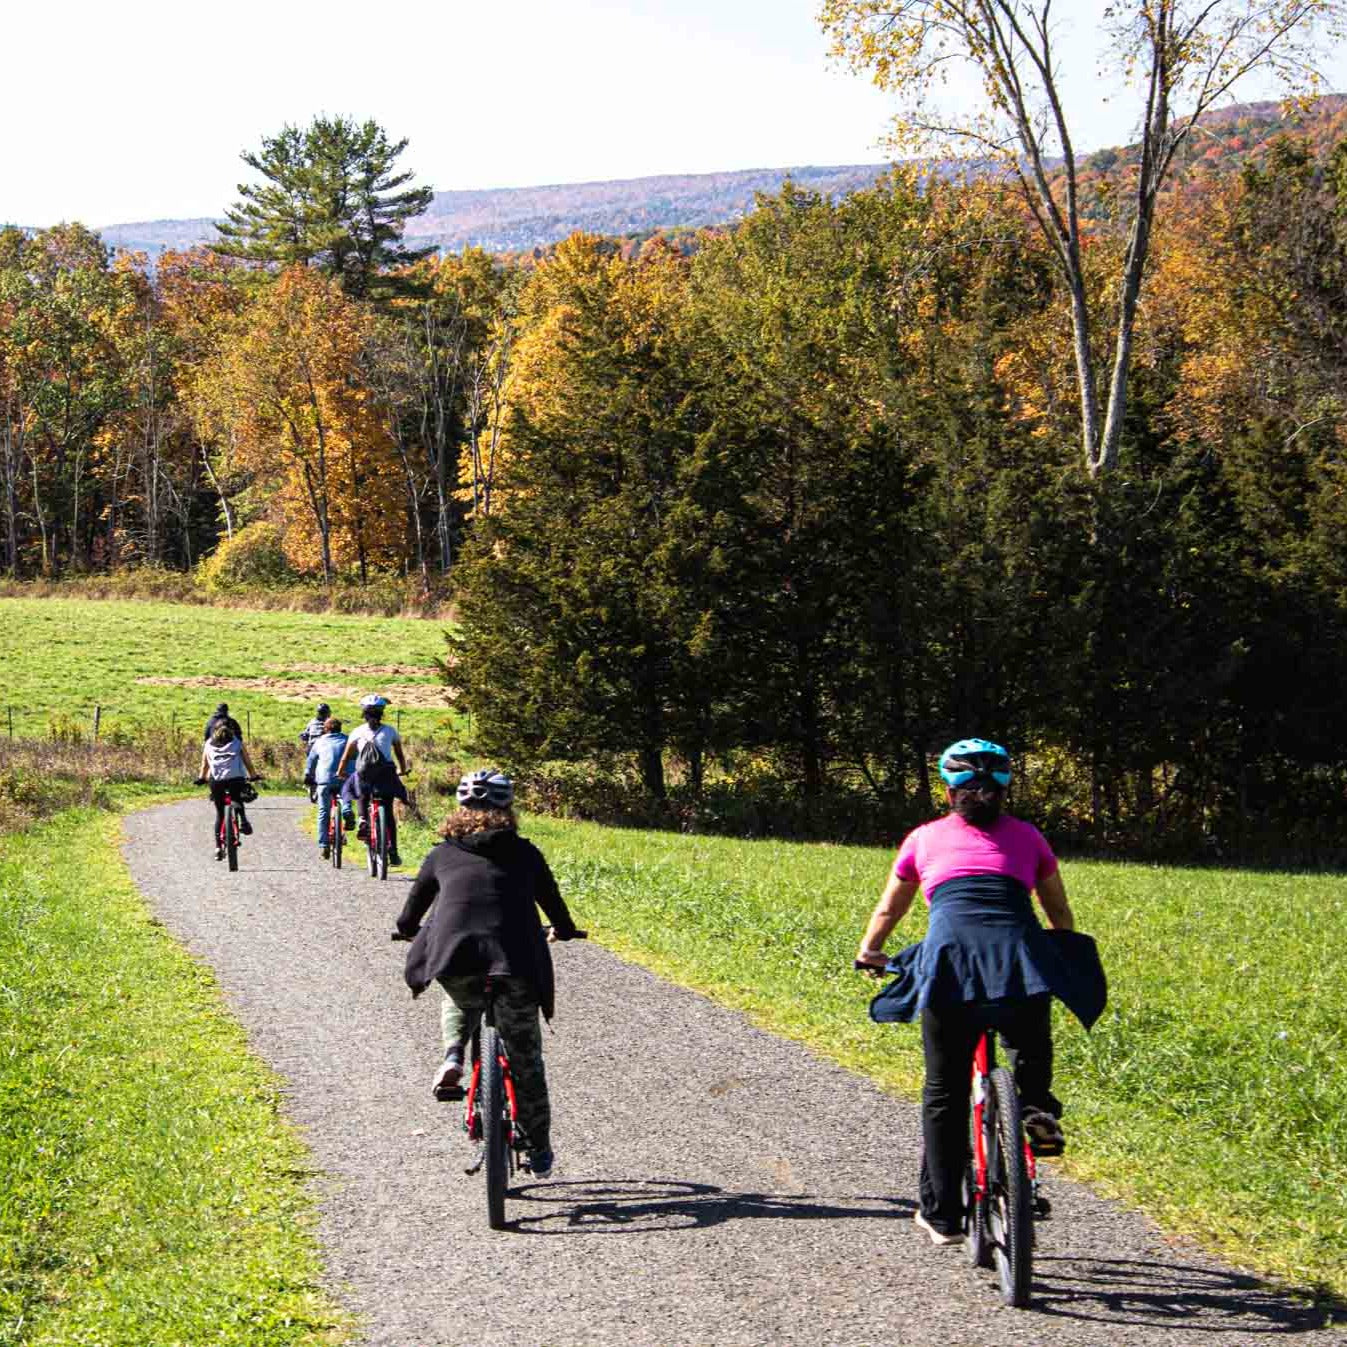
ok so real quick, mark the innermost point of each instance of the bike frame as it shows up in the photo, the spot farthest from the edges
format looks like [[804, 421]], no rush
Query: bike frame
[[472, 1123], [984, 1059]]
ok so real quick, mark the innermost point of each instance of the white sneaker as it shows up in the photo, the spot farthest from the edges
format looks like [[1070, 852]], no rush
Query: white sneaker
[[448, 1083], [936, 1237]]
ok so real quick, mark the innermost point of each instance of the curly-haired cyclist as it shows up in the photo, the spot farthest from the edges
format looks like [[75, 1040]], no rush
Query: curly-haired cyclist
[[985, 963], [487, 883]]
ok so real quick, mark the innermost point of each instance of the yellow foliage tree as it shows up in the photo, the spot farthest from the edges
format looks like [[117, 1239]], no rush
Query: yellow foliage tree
[[288, 380]]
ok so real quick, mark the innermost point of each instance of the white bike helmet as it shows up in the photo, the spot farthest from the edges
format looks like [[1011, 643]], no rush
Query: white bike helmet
[[486, 788]]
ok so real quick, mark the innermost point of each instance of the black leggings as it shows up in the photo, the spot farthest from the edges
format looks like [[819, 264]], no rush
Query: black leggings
[[217, 795], [949, 1035]]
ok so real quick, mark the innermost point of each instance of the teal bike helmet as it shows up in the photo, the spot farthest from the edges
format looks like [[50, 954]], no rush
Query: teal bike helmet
[[975, 760]]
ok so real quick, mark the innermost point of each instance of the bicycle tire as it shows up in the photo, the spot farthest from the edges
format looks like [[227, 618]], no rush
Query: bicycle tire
[[231, 832], [1011, 1218], [383, 809], [372, 840], [336, 834], [493, 1111], [979, 1237]]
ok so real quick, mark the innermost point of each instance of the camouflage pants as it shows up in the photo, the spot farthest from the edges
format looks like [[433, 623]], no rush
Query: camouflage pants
[[517, 1020]]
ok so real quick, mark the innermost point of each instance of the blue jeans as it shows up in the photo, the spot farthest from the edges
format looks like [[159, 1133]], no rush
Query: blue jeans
[[327, 792]]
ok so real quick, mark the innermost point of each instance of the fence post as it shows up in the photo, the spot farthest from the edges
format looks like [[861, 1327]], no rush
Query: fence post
[[10, 711], [98, 713], [248, 716]]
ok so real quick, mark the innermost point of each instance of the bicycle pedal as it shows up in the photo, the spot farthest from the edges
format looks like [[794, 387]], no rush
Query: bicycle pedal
[[477, 1163], [447, 1094], [1042, 1209]]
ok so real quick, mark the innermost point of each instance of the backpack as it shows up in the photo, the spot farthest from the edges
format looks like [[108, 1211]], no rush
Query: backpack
[[369, 761]]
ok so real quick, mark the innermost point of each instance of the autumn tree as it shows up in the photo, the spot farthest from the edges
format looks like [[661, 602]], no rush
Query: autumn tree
[[1183, 57], [331, 195], [288, 380]]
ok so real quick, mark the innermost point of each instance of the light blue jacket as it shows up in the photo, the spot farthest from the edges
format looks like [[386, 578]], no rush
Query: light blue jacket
[[324, 755]]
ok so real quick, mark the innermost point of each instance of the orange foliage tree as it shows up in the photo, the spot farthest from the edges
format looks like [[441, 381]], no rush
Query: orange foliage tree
[[287, 380]]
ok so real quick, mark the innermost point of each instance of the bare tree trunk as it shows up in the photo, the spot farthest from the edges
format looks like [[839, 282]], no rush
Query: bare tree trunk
[[219, 491]]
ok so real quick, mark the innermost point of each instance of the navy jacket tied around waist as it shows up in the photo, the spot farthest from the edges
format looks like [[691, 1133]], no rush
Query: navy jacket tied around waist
[[984, 943]]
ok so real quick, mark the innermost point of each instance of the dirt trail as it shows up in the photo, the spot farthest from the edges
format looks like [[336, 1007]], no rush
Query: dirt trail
[[716, 1186]]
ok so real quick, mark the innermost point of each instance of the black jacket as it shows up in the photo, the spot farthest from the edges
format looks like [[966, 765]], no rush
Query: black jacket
[[487, 888], [235, 728]]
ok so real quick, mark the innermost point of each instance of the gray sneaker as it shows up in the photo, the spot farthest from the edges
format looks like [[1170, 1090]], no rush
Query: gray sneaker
[[539, 1163], [448, 1082]]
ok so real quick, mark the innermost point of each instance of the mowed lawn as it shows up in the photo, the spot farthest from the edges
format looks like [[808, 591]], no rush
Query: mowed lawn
[[61, 657], [1213, 1092]]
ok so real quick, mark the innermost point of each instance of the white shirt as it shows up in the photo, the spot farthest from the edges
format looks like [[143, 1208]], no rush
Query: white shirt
[[226, 764], [384, 738]]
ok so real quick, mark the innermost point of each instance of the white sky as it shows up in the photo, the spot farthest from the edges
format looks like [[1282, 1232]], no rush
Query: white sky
[[139, 110]]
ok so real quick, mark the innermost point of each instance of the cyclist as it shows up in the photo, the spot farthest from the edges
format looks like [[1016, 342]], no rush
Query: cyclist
[[321, 776], [371, 748], [222, 716], [985, 963], [487, 883], [317, 727], [226, 766]]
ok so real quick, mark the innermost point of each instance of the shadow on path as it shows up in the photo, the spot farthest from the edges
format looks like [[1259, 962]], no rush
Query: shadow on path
[[635, 1206], [1173, 1295]]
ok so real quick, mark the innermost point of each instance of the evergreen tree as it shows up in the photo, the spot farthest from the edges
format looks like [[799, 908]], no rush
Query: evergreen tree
[[330, 196]]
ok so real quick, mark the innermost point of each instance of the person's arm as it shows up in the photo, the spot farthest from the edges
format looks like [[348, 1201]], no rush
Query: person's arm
[[548, 897], [247, 761], [889, 911], [424, 889], [1051, 892], [204, 771], [397, 749], [345, 753]]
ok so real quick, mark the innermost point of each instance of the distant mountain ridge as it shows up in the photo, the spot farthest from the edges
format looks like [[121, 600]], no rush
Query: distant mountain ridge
[[519, 219]]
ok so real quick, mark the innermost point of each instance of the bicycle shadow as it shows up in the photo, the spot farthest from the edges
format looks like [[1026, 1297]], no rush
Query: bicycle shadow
[[639, 1206], [1161, 1295]]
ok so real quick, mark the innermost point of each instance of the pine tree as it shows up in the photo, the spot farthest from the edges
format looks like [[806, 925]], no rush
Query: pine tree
[[330, 197]]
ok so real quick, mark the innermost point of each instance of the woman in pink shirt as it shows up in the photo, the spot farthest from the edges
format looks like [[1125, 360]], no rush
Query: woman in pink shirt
[[985, 963]]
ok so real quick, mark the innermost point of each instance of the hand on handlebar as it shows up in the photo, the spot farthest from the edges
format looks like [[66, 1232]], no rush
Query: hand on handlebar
[[553, 937], [257, 778], [397, 935], [198, 781], [871, 970]]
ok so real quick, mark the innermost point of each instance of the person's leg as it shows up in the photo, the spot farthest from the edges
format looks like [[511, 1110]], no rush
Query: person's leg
[[324, 809], [1025, 1027], [391, 815], [463, 1000], [217, 799], [517, 1020], [236, 786], [948, 1036]]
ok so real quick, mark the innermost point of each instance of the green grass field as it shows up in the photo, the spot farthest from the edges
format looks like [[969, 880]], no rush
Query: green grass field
[[149, 1191], [61, 657], [1213, 1092]]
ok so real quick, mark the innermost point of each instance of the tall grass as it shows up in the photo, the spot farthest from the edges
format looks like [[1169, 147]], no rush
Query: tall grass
[[379, 596]]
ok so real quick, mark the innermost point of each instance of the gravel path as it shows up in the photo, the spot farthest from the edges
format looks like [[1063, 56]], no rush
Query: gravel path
[[715, 1187]]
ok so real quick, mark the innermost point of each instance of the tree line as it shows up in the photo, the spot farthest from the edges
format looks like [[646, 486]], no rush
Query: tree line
[[770, 514]]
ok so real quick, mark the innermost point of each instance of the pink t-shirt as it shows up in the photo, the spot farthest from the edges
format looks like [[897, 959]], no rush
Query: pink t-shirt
[[950, 847]]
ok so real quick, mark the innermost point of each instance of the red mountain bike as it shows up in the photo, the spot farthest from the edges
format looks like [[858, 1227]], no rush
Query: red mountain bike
[[228, 837], [1001, 1188], [380, 812], [336, 834], [491, 1118]]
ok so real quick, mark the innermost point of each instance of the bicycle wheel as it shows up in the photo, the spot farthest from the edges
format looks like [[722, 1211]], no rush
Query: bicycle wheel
[[383, 807], [979, 1238], [336, 835], [231, 832], [493, 1110], [372, 840], [1010, 1215]]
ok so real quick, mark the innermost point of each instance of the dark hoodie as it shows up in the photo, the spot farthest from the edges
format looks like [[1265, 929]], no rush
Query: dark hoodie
[[487, 888]]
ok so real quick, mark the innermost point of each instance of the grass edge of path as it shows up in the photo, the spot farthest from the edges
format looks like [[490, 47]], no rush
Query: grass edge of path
[[178, 1209]]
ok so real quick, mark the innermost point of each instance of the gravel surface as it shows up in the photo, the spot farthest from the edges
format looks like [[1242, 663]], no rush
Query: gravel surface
[[715, 1187]]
